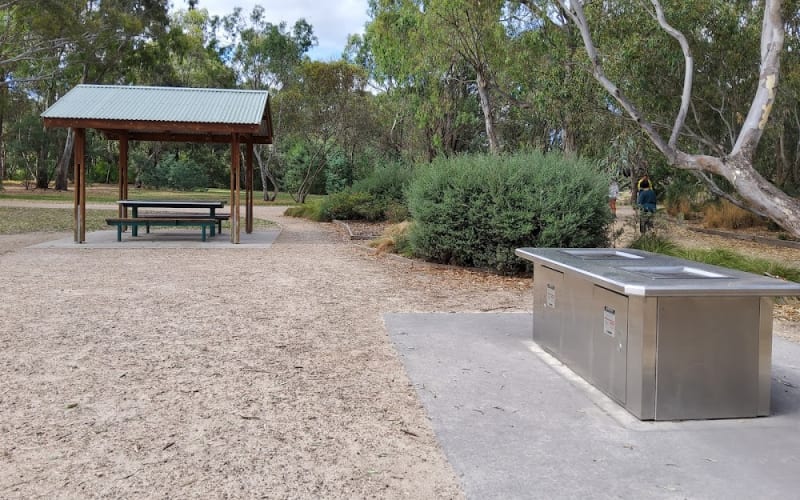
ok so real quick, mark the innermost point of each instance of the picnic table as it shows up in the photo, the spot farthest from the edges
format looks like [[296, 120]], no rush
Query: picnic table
[[207, 220]]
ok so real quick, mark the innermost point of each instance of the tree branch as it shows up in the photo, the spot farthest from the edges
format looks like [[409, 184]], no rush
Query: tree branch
[[688, 76], [574, 10], [716, 190]]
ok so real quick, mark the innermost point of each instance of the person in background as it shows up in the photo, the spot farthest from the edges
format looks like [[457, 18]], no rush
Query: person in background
[[645, 179], [646, 201], [613, 193]]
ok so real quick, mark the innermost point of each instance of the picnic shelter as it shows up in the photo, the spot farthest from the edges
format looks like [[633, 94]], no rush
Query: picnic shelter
[[169, 114]]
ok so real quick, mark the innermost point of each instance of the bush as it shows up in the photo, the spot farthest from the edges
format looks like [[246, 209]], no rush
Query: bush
[[309, 210], [376, 197], [387, 183], [394, 240], [476, 210], [349, 205]]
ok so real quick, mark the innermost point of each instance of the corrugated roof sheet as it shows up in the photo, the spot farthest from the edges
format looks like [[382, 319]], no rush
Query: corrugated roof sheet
[[160, 104]]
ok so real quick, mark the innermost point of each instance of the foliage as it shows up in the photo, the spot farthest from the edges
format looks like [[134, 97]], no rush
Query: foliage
[[350, 205], [181, 174], [309, 210], [656, 243], [338, 172], [394, 240], [476, 210], [682, 195], [379, 196], [324, 105], [387, 182]]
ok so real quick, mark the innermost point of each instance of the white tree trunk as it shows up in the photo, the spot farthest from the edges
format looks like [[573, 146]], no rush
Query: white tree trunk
[[755, 191], [488, 113]]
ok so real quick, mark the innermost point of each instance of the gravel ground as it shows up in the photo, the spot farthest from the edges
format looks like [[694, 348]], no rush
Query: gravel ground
[[181, 373], [213, 373]]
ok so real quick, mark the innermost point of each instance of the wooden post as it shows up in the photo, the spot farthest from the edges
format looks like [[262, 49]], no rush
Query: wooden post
[[79, 172], [123, 174], [235, 183], [76, 180], [249, 189]]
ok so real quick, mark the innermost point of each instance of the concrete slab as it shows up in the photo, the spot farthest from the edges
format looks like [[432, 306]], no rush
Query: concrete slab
[[167, 238], [516, 423]]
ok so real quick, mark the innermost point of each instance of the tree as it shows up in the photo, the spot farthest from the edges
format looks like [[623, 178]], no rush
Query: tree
[[471, 30], [110, 39], [266, 57], [736, 164], [321, 108], [426, 92], [34, 34]]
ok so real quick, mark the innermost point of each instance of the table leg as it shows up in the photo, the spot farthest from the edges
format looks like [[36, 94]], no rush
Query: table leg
[[135, 227]]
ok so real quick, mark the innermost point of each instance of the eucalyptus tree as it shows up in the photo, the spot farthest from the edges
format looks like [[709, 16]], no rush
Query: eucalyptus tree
[[197, 57], [324, 105], [266, 56], [424, 81], [553, 103], [472, 32], [109, 39], [784, 137], [733, 162], [34, 35]]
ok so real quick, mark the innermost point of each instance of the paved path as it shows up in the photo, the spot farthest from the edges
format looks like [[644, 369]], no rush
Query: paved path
[[515, 425]]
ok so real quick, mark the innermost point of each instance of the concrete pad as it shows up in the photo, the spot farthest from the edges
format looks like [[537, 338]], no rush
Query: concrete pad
[[516, 423], [167, 238]]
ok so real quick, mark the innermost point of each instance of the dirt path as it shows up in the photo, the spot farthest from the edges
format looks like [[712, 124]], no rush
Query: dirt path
[[200, 373]]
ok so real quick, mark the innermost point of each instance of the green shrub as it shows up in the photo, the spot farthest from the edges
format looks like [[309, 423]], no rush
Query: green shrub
[[396, 212], [476, 210], [309, 210], [652, 242], [386, 183], [349, 205]]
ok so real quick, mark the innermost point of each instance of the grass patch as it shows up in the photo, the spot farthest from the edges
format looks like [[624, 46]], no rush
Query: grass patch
[[728, 216], [718, 257], [16, 220], [106, 193]]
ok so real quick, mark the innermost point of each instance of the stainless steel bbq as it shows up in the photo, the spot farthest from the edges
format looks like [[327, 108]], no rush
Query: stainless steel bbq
[[668, 339]]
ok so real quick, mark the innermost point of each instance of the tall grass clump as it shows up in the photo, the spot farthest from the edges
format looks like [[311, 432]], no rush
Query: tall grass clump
[[476, 210], [728, 216]]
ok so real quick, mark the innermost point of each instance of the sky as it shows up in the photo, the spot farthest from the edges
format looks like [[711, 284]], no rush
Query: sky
[[332, 20]]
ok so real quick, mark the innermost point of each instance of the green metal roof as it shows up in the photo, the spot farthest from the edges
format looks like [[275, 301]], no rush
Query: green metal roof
[[161, 104]]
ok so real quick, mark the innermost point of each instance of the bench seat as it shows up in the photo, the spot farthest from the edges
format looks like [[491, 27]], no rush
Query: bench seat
[[172, 216], [162, 220]]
